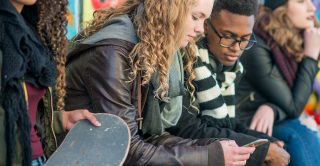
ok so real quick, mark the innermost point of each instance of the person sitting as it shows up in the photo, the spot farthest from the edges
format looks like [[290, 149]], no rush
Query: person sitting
[[32, 58], [211, 114], [281, 70]]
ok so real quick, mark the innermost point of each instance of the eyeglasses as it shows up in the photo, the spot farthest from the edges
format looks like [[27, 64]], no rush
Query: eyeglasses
[[229, 41]]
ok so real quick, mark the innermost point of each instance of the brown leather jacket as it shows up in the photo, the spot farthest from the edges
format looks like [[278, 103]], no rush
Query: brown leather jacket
[[97, 77]]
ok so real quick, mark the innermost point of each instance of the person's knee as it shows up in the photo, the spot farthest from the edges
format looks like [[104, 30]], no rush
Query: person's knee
[[288, 131]]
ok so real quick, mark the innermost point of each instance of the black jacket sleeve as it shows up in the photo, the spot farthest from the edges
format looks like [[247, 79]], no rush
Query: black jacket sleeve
[[98, 80], [192, 126], [0, 68], [264, 75]]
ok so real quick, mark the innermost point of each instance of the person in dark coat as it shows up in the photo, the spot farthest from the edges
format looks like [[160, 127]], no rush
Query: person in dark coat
[[32, 58], [280, 71]]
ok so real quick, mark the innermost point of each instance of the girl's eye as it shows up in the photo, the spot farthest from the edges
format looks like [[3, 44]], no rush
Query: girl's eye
[[195, 18]]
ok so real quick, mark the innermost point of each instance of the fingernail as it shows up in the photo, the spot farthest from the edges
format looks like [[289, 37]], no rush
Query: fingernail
[[98, 123]]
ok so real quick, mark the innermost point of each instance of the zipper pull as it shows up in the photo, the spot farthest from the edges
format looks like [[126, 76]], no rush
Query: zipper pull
[[252, 96]]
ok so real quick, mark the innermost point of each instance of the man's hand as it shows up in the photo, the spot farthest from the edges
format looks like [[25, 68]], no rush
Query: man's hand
[[263, 119], [277, 156], [279, 143], [70, 118], [235, 155]]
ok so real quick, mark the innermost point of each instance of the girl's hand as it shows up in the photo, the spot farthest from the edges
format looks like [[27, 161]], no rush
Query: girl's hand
[[263, 120], [312, 43], [235, 155], [70, 118]]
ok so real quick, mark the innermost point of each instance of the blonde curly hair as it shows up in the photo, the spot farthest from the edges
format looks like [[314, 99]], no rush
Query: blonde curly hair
[[282, 30], [159, 26], [189, 59]]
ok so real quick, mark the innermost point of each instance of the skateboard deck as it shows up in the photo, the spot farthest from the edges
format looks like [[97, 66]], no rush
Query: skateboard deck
[[88, 145]]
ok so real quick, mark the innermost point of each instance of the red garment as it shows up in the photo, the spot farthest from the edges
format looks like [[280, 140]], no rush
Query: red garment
[[34, 96]]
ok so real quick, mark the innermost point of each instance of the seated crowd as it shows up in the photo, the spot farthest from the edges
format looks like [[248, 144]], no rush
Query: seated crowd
[[194, 80]]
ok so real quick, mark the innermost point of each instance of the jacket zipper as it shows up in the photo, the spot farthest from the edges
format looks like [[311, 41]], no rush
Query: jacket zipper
[[250, 96], [24, 87], [51, 108]]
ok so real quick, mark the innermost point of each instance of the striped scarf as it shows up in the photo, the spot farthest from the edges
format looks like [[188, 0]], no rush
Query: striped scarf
[[215, 88]]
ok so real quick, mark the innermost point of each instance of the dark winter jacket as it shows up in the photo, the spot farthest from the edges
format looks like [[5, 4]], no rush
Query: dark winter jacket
[[264, 84]]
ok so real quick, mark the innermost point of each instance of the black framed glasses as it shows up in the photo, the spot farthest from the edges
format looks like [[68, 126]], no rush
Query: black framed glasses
[[229, 41]]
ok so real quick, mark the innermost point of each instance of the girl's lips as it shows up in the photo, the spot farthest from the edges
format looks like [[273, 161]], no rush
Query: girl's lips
[[190, 38], [310, 18]]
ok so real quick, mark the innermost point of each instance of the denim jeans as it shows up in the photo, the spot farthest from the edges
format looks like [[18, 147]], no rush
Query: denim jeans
[[39, 161], [302, 144]]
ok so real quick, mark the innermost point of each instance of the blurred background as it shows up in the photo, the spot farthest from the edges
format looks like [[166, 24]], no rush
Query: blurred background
[[80, 11]]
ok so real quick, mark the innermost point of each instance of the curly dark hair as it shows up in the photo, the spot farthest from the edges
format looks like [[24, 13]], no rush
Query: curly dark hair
[[52, 29], [241, 7], [49, 19]]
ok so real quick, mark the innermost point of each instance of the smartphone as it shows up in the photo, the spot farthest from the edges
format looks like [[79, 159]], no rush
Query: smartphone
[[256, 143]]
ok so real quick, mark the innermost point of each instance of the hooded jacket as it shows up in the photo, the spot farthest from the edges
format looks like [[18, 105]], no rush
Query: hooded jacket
[[97, 79]]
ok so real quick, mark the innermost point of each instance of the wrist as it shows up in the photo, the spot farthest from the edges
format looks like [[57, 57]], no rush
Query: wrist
[[311, 54], [64, 115]]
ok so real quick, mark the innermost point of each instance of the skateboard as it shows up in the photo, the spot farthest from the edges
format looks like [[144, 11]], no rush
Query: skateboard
[[88, 145]]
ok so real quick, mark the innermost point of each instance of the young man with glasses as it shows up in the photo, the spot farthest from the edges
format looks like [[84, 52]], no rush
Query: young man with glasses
[[210, 109]]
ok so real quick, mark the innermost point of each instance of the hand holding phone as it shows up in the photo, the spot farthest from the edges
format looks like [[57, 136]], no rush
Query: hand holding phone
[[256, 143]]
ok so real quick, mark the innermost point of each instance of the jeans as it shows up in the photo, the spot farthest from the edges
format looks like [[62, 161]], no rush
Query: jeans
[[39, 161], [302, 144]]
